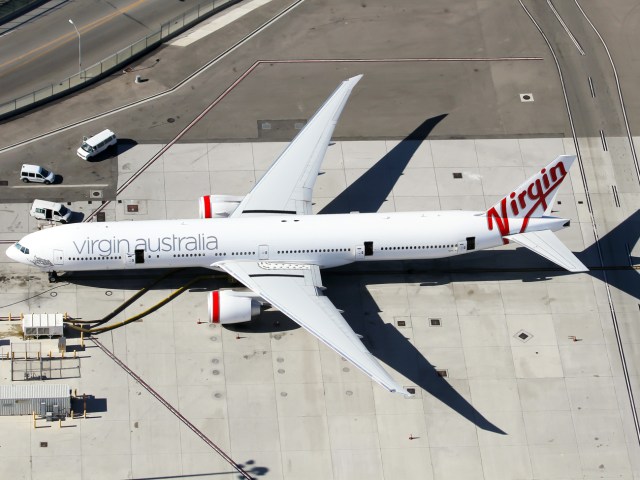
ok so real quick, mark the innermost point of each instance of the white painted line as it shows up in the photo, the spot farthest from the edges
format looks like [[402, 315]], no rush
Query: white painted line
[[217, 22], [62, 186], [566, 29]]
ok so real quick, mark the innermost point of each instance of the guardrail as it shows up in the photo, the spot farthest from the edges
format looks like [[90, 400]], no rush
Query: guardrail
[[116, 61]]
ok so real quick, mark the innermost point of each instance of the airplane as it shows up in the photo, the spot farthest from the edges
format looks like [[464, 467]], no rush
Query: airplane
[[270, 241]]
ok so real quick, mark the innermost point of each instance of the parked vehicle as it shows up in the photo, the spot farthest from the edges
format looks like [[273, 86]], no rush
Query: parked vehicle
[[92, 146], [43, 210], [36, 174]]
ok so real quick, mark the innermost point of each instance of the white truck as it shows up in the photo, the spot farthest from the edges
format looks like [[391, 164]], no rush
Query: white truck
[[92, 146]]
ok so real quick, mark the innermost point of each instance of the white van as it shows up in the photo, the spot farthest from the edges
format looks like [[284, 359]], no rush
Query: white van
[[43, 210], [35, 173], [94, 145]]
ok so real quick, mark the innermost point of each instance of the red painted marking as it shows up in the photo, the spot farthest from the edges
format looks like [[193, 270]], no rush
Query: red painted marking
[[537, 191], [215, 297], [207, 206]]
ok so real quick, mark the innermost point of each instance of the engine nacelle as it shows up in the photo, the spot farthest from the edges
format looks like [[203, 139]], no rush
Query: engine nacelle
[[229, 306], [218, 206]]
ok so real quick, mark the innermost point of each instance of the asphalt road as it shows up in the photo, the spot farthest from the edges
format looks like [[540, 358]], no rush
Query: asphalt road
[[45, 49]]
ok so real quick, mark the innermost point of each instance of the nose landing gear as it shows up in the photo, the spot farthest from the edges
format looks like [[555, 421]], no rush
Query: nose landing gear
[[53, 277]]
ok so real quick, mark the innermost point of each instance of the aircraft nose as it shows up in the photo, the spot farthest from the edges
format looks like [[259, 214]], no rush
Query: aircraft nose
[[12, 253]]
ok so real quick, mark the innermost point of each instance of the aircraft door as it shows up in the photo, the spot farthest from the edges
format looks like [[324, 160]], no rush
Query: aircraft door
[[462, 247], [58, 258], [263, 252], [359, 252]]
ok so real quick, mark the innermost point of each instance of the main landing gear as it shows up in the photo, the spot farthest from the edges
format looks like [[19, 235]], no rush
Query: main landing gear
[[53, 277]]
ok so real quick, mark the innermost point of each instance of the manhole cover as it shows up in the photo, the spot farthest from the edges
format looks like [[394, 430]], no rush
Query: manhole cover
[[171, 119], [526, 97]]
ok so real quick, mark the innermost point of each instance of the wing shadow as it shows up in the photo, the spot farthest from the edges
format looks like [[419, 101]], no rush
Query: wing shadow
[[388, 344], [370, 191]]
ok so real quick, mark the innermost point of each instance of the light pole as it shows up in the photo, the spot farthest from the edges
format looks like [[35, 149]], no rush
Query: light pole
[[79, 49]]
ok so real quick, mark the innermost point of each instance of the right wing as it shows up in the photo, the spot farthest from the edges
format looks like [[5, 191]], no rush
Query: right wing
[[287, 187], [546, 244], [295, 290]]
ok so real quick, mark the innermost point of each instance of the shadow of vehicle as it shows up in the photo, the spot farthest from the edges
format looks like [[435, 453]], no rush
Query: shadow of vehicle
[[76, 217], [123, 145]]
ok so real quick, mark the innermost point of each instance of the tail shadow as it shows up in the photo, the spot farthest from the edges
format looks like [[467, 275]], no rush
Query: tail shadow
[[615, 249], [369, 192]]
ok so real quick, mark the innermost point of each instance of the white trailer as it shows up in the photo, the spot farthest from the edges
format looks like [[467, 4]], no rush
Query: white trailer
[[43, 325]]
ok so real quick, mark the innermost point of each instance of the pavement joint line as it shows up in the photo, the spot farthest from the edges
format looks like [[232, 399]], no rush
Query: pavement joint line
[[171, 408]]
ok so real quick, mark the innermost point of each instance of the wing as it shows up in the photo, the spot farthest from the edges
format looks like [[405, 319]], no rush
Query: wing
[[546, 244], [287, 186], [295, 290]]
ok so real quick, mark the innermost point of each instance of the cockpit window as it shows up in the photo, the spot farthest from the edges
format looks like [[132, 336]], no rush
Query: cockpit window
[[24, 250]]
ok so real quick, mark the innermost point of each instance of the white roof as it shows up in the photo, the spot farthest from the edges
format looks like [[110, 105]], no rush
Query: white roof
[[99, 137], [42, 320], [34, 390]]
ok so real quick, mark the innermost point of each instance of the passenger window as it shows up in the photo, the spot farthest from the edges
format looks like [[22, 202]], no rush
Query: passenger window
[[32, 175]]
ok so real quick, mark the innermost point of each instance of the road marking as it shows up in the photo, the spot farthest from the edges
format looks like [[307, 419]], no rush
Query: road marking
[[217, 22], [566, 29], [593, 91]]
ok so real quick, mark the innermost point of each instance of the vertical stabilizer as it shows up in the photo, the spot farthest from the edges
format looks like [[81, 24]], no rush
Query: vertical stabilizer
[[531, 199]]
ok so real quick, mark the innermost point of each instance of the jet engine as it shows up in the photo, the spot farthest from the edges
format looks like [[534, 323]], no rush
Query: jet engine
[[230, 306], [218, 206]]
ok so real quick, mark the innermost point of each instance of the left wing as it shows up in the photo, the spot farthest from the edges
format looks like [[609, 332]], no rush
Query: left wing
[[287, 186], [295, 290]]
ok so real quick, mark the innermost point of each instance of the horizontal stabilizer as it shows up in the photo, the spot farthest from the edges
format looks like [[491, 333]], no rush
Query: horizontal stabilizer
[[546, 244]]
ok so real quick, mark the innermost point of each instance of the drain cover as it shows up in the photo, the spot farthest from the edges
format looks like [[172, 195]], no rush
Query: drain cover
[[523, 336]]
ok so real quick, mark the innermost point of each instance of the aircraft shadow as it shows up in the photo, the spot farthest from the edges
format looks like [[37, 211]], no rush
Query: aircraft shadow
[[388, 344], [370, 191]]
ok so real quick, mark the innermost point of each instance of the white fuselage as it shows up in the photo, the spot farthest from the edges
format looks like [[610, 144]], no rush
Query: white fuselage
[[324, 240]]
